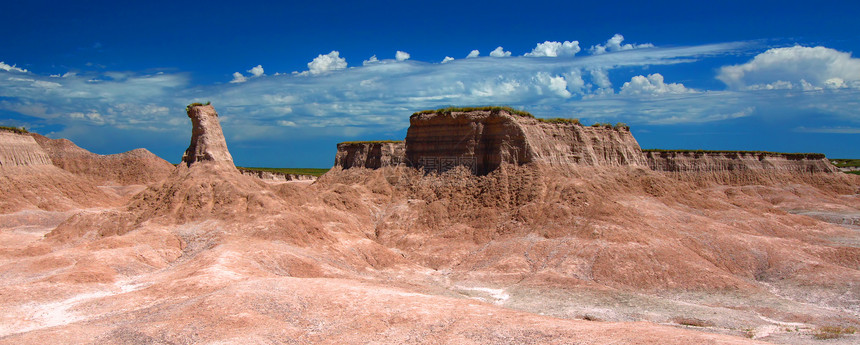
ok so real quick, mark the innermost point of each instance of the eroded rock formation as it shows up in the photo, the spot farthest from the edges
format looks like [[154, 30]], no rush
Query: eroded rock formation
[[738, 161], [207, 138], [18, 150], [484, 139], [370, 154], [137, 166]]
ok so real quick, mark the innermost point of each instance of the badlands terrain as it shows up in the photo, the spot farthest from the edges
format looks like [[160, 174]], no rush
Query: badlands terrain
[[484, 226]]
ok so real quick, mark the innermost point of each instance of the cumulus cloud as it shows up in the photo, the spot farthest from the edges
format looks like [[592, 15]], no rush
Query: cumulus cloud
[[328, 62], [556, 85], [615, 44], [797, 67], [12, 68], [372, 60], [499, 52], [401, 56], [447, 59], [256, 71], [653, 84], [238, 78], [473, 54], [553, 49]]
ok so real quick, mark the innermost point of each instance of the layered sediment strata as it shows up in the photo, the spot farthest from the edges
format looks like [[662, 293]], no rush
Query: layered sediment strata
[[738, 161], [482, 140], [207, 138], [370, 154], [20, 150]]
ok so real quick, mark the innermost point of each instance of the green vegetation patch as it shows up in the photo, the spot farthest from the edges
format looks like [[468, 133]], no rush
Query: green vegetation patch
[[853, 172], [195, 104], [560, 120], [370, 142], [844, 163], [21, 130], [807, 155], [492, 109], [293, 171]]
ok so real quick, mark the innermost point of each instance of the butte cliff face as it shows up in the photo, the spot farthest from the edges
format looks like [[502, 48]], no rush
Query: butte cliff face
[[482, 140], [207, 139], [370, 154], [738, 161]]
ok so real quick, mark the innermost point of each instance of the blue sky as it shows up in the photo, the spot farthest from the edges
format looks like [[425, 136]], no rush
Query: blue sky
[[292, 79]]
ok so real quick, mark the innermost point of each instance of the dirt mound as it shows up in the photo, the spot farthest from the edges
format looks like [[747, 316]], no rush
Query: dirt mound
[[137, 166], [28, 180]]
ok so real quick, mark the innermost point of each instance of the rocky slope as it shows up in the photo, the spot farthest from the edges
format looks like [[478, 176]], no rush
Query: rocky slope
[[18, 150], [484, 139], [29, 180], [369, 154], [138, 166]]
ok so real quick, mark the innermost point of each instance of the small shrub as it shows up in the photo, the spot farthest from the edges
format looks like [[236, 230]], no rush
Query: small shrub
[[195, 104], [748, 332], [689, 321], [621, 126], [589, 317], [832, 332]]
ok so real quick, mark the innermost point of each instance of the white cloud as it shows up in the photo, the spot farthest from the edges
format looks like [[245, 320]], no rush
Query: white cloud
[[600, 78], [447, 59], [553, 49], [380, 97], [238, 78], [12, 68], [256, 71], [499, 52], [652, 85], [555, 84], [615, 44], [372, 59], [329, 62], [473, 54], [401, 56], [798, 67]]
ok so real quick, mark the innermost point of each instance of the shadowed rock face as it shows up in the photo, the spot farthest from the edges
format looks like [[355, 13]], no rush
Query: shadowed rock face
[[18, 150], [369, 154], [207, 139], [483, 140]]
